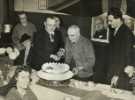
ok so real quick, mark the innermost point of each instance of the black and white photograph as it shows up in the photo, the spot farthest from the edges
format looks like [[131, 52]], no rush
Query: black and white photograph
[[99, 29], [67, 49]]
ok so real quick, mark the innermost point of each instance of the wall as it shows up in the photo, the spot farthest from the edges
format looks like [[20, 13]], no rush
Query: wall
[[3, 11], [25, 4], [38, 18]]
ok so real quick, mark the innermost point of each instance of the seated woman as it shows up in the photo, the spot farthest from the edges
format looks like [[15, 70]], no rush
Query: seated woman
[[21, 91]]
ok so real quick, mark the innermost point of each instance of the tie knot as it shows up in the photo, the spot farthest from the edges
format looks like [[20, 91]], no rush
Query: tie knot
[[52, 37]]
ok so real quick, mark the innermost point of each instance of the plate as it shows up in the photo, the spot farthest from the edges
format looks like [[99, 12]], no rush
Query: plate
[[55, 77]]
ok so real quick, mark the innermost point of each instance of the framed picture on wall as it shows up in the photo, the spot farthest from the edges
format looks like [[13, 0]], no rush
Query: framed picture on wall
[[99, 29], [42, 4]]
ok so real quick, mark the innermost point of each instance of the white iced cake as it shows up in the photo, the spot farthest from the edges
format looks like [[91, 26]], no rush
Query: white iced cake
[[55, 71], [55, 68]]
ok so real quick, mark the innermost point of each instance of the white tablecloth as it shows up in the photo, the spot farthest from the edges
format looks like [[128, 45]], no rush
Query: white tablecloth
[[46, 93]]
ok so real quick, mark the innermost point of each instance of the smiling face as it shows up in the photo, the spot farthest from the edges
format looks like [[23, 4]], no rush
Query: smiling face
[[23, 19], [23, 79], [50, 25], [113, 21]]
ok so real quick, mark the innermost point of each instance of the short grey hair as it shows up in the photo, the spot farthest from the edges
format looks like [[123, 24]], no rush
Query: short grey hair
[[76, 27]]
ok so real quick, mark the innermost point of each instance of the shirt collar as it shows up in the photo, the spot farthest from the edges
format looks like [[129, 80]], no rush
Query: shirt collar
[[116, 30], [51, 33]]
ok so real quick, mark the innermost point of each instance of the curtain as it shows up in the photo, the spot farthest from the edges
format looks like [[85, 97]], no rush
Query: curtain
[[131, 8], [114, 3], [91, 7], [104, 6], [3, 11], [124, 6]]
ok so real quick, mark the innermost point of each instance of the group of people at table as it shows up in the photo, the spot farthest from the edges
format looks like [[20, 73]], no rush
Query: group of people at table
[[50, 45]]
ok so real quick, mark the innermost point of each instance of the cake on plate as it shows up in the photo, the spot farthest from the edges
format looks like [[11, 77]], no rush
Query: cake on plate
[[55, 71]]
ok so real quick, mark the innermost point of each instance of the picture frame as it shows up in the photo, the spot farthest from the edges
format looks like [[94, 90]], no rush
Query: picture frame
[[99, 29], [99, 35], [42, 4]]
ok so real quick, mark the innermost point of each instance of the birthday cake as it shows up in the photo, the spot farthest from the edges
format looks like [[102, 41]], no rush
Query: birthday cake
[[55, 71], [55, 68]]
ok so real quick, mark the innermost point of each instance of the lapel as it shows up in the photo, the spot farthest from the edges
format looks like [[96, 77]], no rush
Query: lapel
[[119, 31]]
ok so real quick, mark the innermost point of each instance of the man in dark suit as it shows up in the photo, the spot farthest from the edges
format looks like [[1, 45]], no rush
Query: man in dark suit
[[48, 45], [120, 49]]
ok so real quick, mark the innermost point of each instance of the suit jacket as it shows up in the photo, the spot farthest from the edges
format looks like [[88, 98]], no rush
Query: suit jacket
[[43, 48], [120, 50], [82, 54]]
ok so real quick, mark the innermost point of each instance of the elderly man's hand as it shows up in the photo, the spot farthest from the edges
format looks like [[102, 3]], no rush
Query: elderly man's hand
[[114, 81], [77, 69], [55, 57]]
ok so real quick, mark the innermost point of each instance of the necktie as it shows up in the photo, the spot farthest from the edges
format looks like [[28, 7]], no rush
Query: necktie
[[115, 32], [51, 37]]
